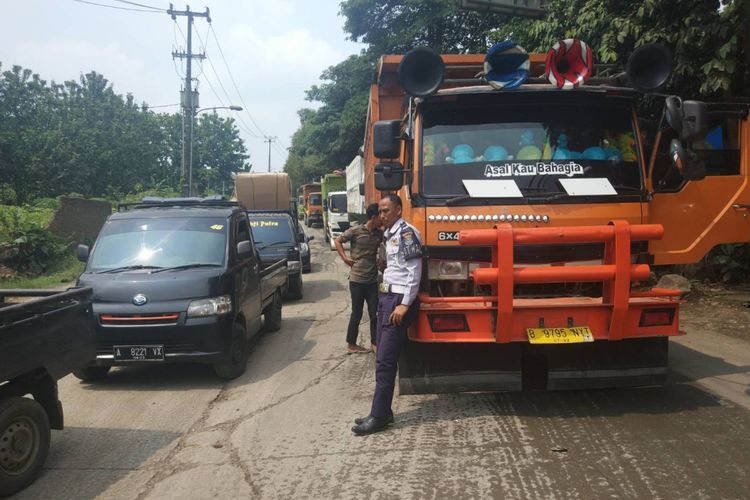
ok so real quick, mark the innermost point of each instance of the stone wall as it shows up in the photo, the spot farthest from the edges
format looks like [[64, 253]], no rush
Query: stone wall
[[79, 220]]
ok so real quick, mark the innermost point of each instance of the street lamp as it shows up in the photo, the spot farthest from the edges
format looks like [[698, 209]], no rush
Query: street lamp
[[190, 159]]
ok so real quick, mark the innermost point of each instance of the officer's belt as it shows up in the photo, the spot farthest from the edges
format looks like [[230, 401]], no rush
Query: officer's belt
[[385, 288]]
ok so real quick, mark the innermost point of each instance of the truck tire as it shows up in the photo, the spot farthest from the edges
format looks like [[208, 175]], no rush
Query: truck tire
[[328, 239], [236, 362], [272, 315], [295, 288], [91, 373], [24, 443]]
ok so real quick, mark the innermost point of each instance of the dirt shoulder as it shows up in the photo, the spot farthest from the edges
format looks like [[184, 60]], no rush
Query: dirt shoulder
[[716, 308]]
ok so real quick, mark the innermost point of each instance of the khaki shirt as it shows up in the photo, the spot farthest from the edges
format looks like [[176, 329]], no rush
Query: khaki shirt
[[364, 252]]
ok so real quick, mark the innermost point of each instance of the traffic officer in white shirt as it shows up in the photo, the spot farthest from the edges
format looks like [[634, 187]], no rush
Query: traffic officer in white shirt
[[397, 308]]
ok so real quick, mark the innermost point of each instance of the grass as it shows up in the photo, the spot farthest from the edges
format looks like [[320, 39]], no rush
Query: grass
[[62, 276]]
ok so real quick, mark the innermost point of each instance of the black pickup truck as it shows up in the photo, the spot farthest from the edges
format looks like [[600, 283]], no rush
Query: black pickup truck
[[179, 280], [41, 341]]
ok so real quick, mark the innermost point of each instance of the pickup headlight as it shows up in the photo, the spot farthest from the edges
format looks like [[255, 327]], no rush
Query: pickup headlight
[[215, 306], [293, 265]]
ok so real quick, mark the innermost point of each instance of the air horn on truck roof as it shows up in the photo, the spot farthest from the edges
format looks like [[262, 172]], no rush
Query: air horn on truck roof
[[568, 64]]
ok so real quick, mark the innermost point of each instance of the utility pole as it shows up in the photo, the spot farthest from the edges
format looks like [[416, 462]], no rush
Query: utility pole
[[189, 98], [269, 140]]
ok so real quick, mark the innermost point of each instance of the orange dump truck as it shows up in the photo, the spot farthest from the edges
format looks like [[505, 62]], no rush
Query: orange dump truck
[[313, 204], [541, 211]]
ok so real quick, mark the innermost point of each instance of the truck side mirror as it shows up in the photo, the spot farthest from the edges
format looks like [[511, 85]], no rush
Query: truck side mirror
[[686, 161], [688, 118], [244, 250], [387, 139], [362, 188], [82, 252], [389, 176], [325, 204]]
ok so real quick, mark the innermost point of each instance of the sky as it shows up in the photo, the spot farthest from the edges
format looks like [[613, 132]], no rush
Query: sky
[[274, 51]]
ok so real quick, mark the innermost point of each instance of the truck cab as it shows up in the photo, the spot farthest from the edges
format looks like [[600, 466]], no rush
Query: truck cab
[[540, 211], [337, 219]]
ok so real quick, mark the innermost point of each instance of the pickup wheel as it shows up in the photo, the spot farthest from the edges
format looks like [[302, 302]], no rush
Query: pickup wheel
[[24, 443], [272, 315], [295, 288], [236, 362], [91, 373]]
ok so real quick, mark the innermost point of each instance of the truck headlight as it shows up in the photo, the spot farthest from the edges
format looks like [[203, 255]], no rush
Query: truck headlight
[[293, 265], [215, 306], [448, 270]]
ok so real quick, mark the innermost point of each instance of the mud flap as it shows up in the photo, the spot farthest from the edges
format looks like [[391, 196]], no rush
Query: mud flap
[[604, 364], [426, 368]]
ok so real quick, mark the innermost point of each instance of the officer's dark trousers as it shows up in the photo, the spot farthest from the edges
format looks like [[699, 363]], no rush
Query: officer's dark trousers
[[390, 341], [362, 292]]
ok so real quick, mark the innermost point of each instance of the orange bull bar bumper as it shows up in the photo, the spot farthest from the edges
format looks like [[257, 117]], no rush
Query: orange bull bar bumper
[[500, 318]]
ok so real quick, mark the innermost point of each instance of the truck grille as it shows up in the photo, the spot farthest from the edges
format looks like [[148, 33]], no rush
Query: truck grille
[[139, 319], [344, 225]]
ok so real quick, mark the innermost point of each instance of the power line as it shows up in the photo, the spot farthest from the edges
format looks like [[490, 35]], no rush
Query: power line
[[116, 7], [231, 77], [164, 105], [141, 5]]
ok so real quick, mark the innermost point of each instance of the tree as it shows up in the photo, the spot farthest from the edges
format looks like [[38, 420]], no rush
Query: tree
[[710, 44], [329, 137], [218, 151]]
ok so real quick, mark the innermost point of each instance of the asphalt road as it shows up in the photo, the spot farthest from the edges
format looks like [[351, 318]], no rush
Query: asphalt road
[[282, 430]]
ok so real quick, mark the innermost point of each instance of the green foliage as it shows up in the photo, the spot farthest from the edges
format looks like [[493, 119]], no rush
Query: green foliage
[[728, 263], [81, 137], [329, 137], [26, 246], [709, 58]]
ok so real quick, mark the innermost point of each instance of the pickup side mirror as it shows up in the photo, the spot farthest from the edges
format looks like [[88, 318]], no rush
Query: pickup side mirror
[[244, 250], [387, 139], [82, 252], [686, 161], [389, 176]]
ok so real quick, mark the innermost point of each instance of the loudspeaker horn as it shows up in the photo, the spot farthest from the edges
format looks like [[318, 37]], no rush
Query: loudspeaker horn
[[569, 63], [421, 72], [649, 67]]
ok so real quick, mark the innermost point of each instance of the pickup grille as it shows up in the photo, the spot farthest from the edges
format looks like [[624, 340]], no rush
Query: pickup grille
[[139, 319]]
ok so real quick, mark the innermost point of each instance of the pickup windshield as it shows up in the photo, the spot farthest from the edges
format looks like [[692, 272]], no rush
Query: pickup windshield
[[133, 244], [337, 203], [533, 151], [270, 231], [315, 199]]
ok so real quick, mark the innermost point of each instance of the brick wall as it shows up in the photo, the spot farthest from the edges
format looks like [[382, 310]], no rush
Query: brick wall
[[79, 220]]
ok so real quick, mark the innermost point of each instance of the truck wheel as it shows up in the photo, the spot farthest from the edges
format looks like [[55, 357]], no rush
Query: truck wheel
[[272, 315], [24, 443], [91, 373], [295, 288], [327, 238], [236, 362]]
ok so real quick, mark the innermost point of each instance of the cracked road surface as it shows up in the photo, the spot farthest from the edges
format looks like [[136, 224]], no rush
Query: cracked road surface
[[282, 430]]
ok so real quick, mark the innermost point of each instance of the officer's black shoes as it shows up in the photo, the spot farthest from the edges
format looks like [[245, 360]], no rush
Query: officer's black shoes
[[360, 420], [370, 425]]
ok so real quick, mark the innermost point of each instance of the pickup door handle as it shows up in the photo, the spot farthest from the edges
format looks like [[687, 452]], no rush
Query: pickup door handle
[[741, 206]]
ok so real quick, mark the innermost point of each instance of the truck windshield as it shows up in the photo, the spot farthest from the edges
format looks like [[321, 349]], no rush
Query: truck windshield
[[337, 203], [268, 231], [544, 149], [315, 199], [159, 243]]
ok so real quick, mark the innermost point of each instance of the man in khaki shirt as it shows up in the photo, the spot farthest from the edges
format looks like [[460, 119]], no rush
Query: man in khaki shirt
[[363, 278]]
